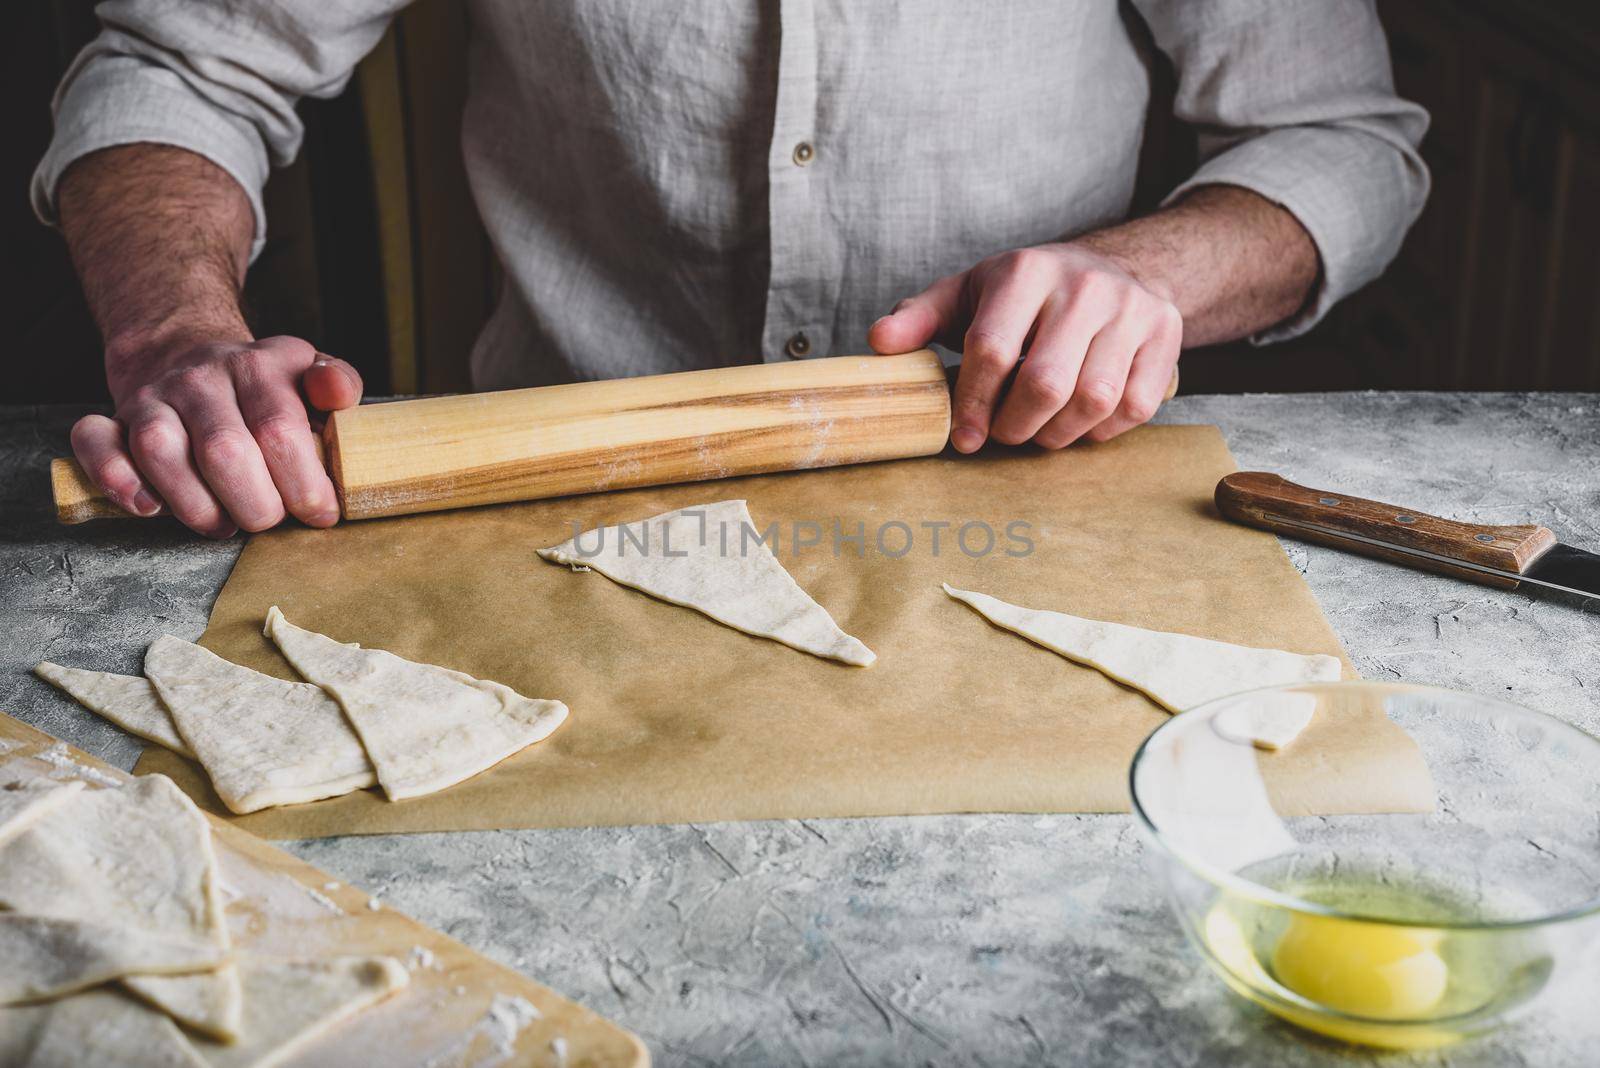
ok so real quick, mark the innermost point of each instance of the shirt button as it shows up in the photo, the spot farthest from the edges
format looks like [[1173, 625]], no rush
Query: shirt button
[[799, 345], [804, 153]]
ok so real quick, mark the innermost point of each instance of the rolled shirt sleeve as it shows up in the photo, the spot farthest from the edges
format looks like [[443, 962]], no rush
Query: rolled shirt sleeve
[[218, 79], [1294, 100]]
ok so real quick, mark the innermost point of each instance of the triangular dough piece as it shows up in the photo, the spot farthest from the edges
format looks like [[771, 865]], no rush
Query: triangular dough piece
[[1267, 721], [289, 1005], [19, 1026], [209, 1003], [424, 727], [129, 701], [136, 856], [22, 804], [1177, 671], [139, 855], [43, 957], [97, 1027], [1206, 793], [263, 741], [710, 558]]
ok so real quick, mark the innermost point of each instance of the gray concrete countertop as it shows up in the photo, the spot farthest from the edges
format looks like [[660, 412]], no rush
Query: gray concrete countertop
[[988, 940]]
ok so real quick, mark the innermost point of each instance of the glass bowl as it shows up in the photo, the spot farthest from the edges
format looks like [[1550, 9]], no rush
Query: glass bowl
[[1400, 929]]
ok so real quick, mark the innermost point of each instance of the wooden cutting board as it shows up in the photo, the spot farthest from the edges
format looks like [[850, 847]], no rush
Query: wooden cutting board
[[279, 905]]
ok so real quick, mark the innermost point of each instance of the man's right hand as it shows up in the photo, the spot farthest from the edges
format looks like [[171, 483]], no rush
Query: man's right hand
[[219, 432], [209, 422]]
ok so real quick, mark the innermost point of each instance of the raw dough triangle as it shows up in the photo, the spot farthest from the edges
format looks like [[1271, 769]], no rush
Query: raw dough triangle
[[1267, 721], [262, 740], [43, 957], [1177, 671], [22, 804], [135, 856], [129, 701], [424, 727], [710, 558], [97, 1027], [288, 1005], [207, 1002], [1206, 793]]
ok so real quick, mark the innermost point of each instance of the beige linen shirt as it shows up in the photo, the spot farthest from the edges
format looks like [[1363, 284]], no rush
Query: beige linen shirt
[[673, 184]]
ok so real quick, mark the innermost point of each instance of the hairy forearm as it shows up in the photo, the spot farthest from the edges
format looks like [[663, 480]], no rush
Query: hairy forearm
[[1231, 261], [209, 422], [160, 238]]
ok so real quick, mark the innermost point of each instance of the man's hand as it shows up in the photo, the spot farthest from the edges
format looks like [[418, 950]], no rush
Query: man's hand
[[219, 432], [209, 420], [1100, 345], [1100, 319]]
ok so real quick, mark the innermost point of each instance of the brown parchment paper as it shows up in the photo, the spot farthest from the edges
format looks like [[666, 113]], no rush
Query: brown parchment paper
[[676, 718], [279, 906]]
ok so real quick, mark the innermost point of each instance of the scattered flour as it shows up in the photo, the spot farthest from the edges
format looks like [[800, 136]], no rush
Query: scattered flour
[[506, 1018], [324, 900], [331, 885], [374, 904], [421, 957], [558, 1047], [6, 745], [257, 894], [67, 768], [500, 1027]]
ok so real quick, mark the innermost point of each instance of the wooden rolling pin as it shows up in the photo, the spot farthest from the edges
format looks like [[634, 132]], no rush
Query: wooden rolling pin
[[484, 448], [434, 453]]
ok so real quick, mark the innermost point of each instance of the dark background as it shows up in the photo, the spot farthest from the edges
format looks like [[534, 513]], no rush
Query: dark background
[[375, 254]]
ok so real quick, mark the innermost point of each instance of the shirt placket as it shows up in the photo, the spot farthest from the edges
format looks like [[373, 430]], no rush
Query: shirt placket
[[795, 326]]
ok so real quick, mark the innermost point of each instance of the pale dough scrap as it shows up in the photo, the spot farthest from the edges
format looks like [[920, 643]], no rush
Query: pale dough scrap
[[1205, 793], [263, 741], [1177, 671], [290, 1005], [135, 856], [1267, 721], [425, 728], [129, 701], [711, 558], [45, 957], [22, 804], [97, 1027], [207, 1002]]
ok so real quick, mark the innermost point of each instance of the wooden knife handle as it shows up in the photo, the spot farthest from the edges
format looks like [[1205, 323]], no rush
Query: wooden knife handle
[[1385, 531]]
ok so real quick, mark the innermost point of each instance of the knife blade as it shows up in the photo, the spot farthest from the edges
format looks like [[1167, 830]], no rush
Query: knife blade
[[1500, 556]]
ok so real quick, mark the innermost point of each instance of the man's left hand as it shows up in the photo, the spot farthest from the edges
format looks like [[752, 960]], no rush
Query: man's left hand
[[1100, 344]]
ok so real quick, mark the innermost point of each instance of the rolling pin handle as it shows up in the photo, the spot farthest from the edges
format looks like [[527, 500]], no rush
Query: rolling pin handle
[[78, 499]]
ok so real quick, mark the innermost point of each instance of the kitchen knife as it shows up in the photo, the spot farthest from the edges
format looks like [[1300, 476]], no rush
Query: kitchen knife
[[1504, 557]]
